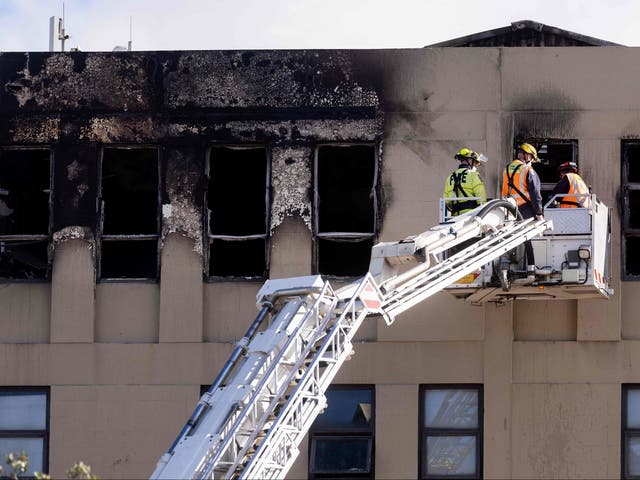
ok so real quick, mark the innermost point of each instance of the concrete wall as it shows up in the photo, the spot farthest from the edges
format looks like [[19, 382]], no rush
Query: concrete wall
[[125, 361]]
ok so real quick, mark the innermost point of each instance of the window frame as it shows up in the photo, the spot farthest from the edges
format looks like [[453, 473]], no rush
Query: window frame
[[100, 237], [342, 433], [626, 187], [209, 237], [424, 432], [37, 237], [44, 434], [317, 235], [547, 187], [625, 432]]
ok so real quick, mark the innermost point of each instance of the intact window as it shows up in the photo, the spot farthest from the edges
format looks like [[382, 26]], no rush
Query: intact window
[[552, 153], [25, 213], [630, 431], [129, 215], [24, 425], [451, 431], [342, 437], [630, 210], [346, 202], [238, 211]]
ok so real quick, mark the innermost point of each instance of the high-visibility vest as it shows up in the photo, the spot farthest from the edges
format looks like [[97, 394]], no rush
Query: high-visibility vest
[[576, 187], [464, 182], [514, 182]]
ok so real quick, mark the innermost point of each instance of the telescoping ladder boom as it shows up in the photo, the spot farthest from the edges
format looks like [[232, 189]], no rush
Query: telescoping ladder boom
[[252, 419]]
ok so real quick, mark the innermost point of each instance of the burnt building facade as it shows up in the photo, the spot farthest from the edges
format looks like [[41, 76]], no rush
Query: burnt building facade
[[145, 196]]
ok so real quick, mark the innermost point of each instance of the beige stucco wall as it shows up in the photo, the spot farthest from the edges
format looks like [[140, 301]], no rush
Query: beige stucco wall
[[123, 384]]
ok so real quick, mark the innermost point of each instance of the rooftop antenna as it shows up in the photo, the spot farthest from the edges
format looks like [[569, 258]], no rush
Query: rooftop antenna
[[119, 48], [57, 31]]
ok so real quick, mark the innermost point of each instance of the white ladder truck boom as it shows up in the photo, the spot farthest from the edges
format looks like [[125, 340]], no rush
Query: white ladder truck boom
[[251, 420]]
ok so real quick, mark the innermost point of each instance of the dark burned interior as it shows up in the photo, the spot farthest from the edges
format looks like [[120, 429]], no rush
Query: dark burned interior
[[345, 210], [551, 153], [25, 190], [129, 213], [631, 208], [344, 257], [238, 200]]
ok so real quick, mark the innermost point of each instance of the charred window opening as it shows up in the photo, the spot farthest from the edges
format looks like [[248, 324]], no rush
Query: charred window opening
[[345, 208], [25, 213], [630, 210], [552, 153], [129, 214], [238, 211]]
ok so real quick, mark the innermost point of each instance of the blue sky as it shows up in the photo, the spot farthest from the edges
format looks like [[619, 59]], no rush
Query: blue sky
[[99, 25]]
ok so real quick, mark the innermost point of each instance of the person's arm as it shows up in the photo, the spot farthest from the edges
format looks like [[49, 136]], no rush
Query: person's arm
[[478, 188], [533, 185], [448, 191], [561, 187]]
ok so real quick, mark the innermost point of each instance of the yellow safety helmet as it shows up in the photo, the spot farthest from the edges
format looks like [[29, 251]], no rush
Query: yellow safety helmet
[[528, 148], [466, 153]]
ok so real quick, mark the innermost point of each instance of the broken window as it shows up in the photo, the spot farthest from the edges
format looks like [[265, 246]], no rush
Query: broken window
[[631, 210], [342, 438], [238, 211], [129, 215], [552, 153], [451, 431], [25, 213], [345, 198]]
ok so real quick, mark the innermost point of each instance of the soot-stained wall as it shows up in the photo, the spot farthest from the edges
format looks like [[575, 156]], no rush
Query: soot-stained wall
[[184, 102]]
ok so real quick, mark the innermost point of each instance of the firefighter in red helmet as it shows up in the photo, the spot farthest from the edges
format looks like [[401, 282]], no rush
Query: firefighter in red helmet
[[572, 186]]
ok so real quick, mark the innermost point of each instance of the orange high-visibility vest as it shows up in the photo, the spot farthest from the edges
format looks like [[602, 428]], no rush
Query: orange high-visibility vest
[[514, 182], [576, 187]]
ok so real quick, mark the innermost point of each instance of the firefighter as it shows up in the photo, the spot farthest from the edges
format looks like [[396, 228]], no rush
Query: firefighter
[[465, 181], [571, 183], [521, 182]]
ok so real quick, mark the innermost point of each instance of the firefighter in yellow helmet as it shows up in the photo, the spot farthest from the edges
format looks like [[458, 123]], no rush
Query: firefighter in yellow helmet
[[465, 182], [572, 184], [521, 182]]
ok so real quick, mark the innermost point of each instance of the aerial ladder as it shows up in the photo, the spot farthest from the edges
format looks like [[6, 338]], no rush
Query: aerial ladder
[[250, 422]]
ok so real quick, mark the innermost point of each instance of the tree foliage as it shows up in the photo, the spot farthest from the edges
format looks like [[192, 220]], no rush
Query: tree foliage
[[18, 465]]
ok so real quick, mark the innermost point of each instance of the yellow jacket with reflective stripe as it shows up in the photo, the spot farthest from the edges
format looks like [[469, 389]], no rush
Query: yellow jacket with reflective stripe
[[470, 183]]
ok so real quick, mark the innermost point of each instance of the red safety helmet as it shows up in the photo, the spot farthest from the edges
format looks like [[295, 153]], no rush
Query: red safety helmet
[[568, 167]]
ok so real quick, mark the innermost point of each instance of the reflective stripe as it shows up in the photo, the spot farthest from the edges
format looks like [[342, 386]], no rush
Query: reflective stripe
[[461, 184], [518, 172], [576, 187]]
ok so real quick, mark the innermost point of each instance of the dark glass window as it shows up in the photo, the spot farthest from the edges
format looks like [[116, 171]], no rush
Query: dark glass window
[[451, 431], [238, 211], [25, 212], [630, 210], [630, 431], [129, 213], [24, 425], [345, 196], [342, 437]]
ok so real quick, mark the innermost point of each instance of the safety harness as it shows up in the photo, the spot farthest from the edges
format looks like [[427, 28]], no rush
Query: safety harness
[[459, 205], [513, 185]]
